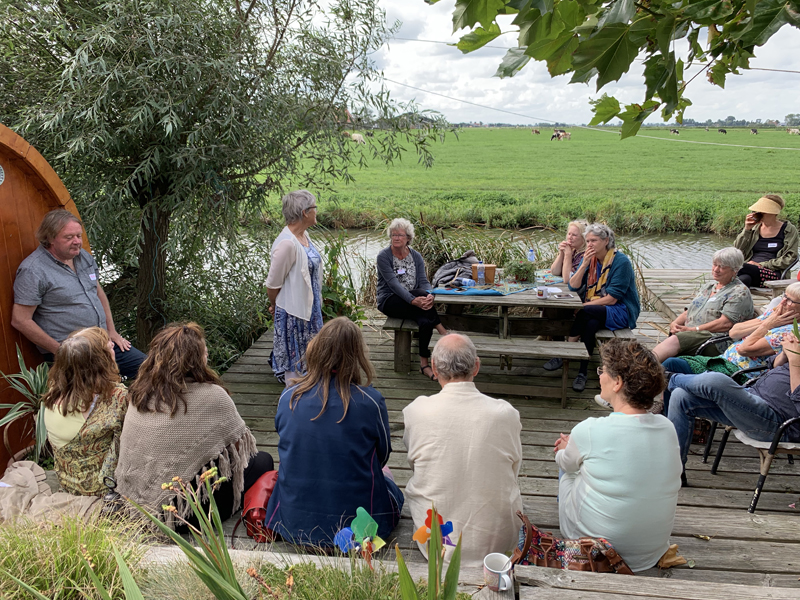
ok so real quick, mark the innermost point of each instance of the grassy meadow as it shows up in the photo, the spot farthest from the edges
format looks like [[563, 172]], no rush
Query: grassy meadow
[[508, 177]]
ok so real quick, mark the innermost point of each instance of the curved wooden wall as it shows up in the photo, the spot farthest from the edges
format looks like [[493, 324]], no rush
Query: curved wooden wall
[[31, 188]]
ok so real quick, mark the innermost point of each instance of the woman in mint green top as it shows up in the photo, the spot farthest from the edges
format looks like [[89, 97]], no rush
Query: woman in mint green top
[[622, 473]]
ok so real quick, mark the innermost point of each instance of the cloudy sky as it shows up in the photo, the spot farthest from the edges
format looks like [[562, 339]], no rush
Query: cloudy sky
[[443, 69]]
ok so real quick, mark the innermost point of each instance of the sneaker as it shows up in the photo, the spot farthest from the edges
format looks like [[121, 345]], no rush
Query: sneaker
[[600, 402], [553, 364], [684, 481], [580, 382]]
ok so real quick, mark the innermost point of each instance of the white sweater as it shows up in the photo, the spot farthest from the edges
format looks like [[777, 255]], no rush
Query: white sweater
[[288, 271]]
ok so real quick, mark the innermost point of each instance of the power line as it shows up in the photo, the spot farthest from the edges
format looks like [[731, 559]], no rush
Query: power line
[[516, 114], [453, 44]]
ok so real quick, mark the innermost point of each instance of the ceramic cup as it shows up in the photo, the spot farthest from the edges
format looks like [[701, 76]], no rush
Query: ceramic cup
[[497, 572], [543, 292]]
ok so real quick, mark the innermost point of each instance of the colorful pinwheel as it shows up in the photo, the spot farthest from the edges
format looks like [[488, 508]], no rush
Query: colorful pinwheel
[[423, 534], [361, 536]]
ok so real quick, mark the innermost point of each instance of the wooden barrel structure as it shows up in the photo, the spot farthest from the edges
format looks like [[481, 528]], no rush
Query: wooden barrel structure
[[29, 188]]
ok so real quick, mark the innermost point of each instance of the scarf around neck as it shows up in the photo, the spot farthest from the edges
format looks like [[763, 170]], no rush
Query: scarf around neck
[[595, 286]]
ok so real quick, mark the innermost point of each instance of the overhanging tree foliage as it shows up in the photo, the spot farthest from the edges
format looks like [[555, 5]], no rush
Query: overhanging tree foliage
[[600, 39], [171, 120]]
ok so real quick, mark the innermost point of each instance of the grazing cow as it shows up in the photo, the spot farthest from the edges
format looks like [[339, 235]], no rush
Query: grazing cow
[[725, 131], [358, 138], [753, 131], [555, 136], [674, 132], [793, 131], [566, 135], [535, 132], [706, 128]]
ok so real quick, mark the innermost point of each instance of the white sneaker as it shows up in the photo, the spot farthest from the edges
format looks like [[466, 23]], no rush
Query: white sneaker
[[600, 402]]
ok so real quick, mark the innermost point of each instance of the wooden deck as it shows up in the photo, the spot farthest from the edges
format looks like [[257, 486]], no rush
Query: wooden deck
[[753, 550]]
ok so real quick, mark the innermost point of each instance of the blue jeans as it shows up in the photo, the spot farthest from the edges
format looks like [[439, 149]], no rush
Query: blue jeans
[[129, 361], [719, 398]]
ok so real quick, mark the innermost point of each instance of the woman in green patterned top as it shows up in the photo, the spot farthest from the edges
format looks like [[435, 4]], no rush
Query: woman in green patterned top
[[719, 306], [84, 408]]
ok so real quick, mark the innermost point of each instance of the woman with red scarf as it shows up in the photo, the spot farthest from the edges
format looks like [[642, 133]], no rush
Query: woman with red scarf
[[607, 286]]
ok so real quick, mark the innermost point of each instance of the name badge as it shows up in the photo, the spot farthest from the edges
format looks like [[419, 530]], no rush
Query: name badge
[[401, 271], [772, 245], [713, 298], [92, 276]]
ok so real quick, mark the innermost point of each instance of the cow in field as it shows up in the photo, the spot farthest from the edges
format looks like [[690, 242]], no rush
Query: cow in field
[[753, 131], [793, 131], [706, 128], [725, 131], [535, 132], [555, 136], [674, 132]]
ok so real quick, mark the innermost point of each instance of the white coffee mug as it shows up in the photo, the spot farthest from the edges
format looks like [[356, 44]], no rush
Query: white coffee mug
[[497, 569]]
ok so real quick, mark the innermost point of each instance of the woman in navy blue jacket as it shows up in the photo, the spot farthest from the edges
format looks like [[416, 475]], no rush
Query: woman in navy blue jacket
[[334, 444], [607, 285]]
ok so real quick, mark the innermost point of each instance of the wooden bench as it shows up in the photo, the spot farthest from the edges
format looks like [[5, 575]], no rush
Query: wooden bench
[[604, 334], [775, 288], [403, 328]]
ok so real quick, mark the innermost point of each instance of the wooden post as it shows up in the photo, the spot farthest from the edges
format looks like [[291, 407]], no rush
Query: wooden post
[[402, 351], [564, 382]]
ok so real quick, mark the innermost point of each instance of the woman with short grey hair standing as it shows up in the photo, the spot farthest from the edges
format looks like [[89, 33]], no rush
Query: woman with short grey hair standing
[[294, 286], [403, 288]]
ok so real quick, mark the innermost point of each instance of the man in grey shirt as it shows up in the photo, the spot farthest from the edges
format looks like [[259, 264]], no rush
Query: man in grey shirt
[[758, 411], [56, 292]]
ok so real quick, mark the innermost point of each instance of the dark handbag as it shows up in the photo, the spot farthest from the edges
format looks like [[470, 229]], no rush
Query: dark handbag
[[542, 549], [254, 511]]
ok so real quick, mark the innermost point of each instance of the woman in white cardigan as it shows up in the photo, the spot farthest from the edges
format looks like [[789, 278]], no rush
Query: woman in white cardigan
[[294, 286]]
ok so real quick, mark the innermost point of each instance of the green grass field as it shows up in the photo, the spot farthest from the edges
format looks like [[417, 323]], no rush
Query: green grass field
[[511, 178]]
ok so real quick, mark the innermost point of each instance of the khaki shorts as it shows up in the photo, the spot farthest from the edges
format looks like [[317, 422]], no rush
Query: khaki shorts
[[690, 341]]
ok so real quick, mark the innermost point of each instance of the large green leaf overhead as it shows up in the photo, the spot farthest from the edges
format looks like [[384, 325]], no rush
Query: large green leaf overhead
[[600, 40]]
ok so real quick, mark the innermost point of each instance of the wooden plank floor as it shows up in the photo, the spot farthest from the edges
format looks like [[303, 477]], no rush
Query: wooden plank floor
[[755, 550]]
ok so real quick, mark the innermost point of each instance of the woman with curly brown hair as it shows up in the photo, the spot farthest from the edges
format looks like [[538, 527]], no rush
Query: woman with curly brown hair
[[620, 474], [181, 419], [84, 408]]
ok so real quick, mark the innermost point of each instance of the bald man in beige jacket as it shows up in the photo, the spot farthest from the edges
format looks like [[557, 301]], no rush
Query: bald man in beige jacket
[[465, 452]]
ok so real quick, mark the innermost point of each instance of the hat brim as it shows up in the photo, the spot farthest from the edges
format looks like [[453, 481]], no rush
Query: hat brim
[[765, 205]]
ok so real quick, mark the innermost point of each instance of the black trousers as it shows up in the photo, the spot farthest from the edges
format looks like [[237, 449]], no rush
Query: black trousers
[[588, 321], [427, 320], [258, 465], [752, 275]]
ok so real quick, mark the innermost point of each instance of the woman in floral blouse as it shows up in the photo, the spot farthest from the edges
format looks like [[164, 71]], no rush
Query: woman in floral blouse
[[720, 304], [84, 408]]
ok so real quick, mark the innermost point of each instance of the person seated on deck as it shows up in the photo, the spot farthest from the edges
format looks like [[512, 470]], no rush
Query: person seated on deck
[[762, 338], [607, 285], [769, 245], [403, 288], [180, 419], [620, 474], [758, 411], [57, 291], [334, 444], [465, 453], [570, 251], [84, 407], [720, 304]]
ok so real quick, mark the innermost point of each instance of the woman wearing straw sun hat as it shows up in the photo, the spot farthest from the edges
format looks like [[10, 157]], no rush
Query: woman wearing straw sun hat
[[769, 245]]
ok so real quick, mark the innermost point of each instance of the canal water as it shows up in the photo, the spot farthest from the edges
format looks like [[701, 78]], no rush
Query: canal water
[[656, 251]]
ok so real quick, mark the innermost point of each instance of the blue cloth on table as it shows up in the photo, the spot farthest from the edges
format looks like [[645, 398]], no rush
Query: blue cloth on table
[[328, 469], [293, 334]]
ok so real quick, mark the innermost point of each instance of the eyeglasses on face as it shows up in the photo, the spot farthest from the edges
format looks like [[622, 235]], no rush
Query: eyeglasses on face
[[600, 370], [399, 235], [789, 301]]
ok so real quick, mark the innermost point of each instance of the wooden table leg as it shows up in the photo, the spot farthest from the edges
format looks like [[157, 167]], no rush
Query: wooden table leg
[[564, 382], [402, 351]]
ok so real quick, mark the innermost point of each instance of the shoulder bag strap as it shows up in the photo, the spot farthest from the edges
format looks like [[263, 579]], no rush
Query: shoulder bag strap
[[520, 554]]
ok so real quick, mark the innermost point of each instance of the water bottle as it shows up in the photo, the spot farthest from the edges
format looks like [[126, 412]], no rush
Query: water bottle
[[481, 273], [464, 282], [531, 255]]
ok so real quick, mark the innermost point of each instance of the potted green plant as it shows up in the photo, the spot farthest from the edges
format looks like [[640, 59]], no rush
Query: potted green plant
[[31, 384], [521, 270]]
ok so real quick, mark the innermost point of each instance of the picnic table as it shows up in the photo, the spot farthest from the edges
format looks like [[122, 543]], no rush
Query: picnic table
[[556, 317]]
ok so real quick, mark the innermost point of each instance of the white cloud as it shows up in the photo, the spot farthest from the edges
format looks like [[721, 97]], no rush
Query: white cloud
[[532, 92]]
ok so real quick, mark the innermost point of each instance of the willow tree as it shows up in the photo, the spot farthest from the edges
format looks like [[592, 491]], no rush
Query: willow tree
[[171, 120], [599, 40]]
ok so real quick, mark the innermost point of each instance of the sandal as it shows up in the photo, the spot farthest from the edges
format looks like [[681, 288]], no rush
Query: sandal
[[432, 377]]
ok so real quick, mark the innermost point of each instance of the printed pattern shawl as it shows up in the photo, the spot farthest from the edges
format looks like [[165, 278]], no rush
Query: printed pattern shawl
[[157, 447], [92, 454], [595, 286]]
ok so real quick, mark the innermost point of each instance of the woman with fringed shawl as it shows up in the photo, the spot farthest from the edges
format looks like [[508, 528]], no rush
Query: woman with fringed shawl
[[607, 286], [181, 422]]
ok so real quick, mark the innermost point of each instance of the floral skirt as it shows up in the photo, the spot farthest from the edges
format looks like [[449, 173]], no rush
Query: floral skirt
[[291, 339]]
